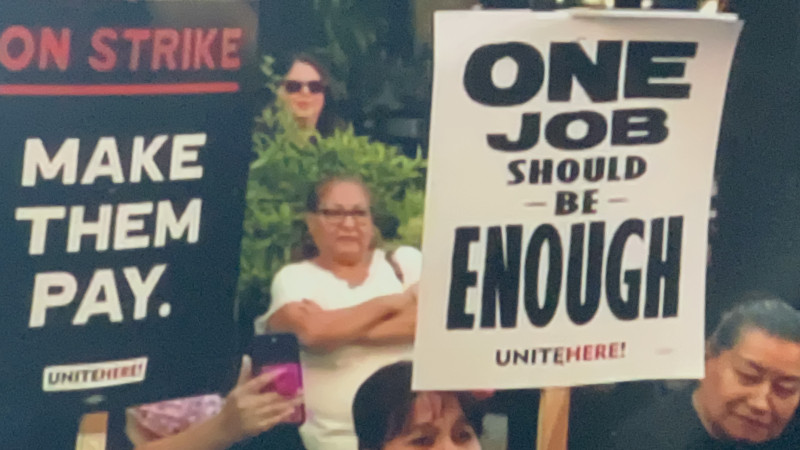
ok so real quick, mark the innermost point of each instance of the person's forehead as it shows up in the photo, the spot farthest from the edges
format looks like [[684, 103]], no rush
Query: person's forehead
[[345, 192], [430, 407], [770, 352], [302, 71]]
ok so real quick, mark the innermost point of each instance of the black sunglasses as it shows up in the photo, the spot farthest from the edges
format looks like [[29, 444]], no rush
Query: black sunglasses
[[293, 86]]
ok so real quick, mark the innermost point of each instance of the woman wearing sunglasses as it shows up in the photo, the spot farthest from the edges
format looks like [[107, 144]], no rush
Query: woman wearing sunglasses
[[352, 308], [304, 90]]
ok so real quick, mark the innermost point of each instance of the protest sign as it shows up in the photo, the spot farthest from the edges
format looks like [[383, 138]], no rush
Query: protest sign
[[125, 137], [571, 166]]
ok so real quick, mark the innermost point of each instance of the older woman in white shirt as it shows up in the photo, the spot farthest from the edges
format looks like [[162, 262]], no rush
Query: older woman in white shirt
[[352, 308]]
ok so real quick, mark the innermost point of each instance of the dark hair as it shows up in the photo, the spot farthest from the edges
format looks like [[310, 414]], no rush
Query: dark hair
[[321, 188], [327, 122], [307, 247], [759, 311], [384, 402], [305, 58]]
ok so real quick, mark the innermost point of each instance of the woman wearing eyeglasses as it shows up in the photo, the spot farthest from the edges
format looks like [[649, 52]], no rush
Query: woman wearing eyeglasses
[[352, 308], [304, 89]]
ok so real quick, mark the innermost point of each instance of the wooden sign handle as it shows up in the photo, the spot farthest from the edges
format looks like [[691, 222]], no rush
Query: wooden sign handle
[[92, 432], [553, 419]]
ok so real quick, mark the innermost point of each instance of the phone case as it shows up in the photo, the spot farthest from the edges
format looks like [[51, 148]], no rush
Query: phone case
[[280, 353]]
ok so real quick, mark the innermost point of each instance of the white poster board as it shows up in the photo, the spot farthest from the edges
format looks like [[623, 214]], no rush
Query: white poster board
[[571, 165]]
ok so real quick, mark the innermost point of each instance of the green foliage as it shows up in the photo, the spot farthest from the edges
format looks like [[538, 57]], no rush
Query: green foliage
[[290, 162], [351, 29]]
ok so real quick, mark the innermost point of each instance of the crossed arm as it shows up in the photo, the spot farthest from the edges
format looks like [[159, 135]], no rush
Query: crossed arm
[[397, 329], [382, 320]]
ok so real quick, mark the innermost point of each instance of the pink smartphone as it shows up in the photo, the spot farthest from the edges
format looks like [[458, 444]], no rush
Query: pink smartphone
[[280, 352]]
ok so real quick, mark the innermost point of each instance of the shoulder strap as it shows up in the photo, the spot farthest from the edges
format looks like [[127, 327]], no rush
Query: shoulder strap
[[397, 270]]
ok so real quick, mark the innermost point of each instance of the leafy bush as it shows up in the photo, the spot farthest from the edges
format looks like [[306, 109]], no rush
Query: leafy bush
[[289, 162]]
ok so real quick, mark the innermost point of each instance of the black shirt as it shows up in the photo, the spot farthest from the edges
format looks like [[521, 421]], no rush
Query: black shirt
[[671, 423]]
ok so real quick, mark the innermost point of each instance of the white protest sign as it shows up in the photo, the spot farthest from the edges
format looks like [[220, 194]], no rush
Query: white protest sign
[[571, 165]]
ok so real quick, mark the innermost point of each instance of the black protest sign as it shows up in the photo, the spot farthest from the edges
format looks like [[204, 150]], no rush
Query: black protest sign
[[125, 137]]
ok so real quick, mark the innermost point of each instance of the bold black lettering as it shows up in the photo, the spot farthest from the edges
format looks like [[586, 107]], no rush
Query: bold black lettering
[[478, 80], [593, 170], [568, 170], [513, 167], [521, 356], [669, 269], [544, 351], [528, 135], [501, 277], [457, 317], [541, 316], [556, 130], [641, 68], [546, 172], [589, 200], [566, 202], [652, 121], [497, 358], [612, 169], [621, 308], [635, 166], [600, 80], [579, 311]]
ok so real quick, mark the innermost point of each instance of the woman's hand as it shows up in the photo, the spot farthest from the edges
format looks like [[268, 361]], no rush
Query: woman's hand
[[398, 328], [325, 330], [402, 302], [310, 307], [248, 411]]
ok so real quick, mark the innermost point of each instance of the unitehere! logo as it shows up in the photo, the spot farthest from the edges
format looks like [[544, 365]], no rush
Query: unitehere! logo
[[76, 377]]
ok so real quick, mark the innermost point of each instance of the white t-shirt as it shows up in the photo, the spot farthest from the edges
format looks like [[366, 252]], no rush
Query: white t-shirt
[[331, 379]]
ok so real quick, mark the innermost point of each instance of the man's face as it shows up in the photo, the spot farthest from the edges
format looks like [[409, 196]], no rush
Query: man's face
[[751, 391]]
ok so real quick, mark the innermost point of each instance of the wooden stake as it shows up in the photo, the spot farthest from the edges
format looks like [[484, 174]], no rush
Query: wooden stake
[[92, 432], [553, 419], [710, 6]]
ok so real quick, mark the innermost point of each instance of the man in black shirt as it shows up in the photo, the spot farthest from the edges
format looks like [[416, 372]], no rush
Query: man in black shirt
[[748, 396]]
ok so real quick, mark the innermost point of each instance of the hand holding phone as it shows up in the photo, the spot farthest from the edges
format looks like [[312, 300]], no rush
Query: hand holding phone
[[279, 355], [248, 411]]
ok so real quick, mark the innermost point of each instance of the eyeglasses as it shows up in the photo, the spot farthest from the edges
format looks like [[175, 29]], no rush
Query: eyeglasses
[[337, 215], [294, 86]]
